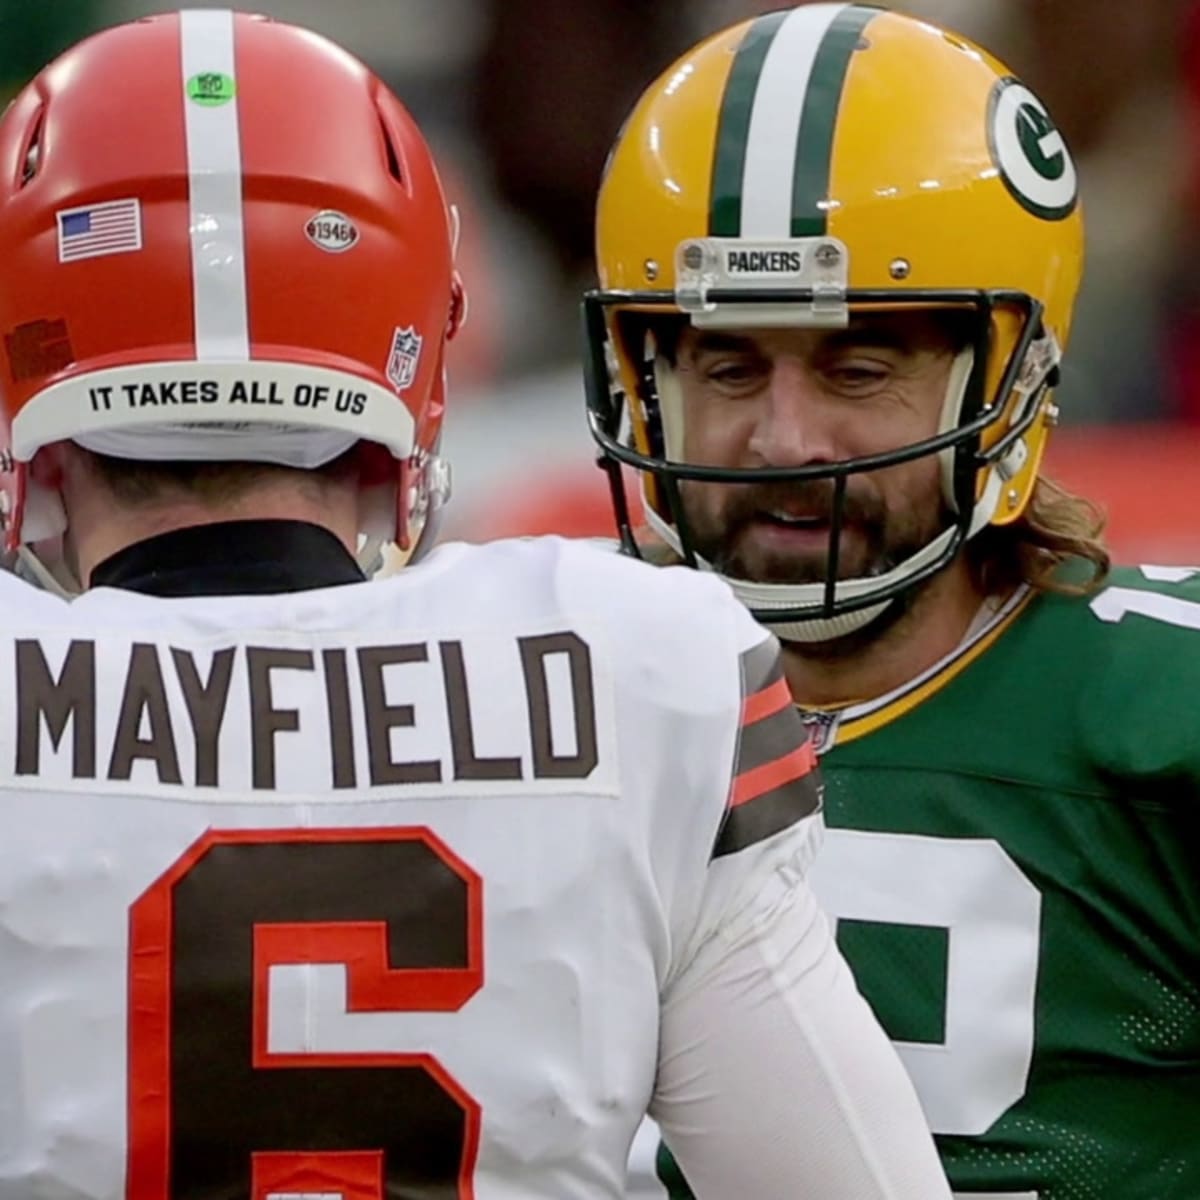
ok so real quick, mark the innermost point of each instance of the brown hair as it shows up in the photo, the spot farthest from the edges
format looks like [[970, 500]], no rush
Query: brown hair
[[134, 484], [1056, 535]]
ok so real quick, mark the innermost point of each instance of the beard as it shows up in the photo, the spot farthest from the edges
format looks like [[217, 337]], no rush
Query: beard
[[873, 539]]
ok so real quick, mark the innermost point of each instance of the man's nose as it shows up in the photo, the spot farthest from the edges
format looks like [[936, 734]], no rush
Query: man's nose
[[795, 426]]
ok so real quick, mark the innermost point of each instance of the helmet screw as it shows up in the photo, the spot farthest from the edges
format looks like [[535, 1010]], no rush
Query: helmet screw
[[1014, 497], [828, 255], [693, 257], [650, 269], [899, 268]]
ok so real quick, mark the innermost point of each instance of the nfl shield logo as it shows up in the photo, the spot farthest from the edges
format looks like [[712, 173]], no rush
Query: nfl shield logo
[[404, 358], [821, 726]]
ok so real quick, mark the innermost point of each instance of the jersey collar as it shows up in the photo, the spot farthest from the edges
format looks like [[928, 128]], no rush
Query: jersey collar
[[231, 558], [831, 727]]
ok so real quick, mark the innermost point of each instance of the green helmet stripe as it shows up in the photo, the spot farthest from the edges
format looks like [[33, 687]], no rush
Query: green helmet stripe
[[814, 141], [729, 162], [776, 126]]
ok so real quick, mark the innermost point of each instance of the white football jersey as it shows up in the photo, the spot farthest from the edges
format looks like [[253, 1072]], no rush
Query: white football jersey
[[376, 889]]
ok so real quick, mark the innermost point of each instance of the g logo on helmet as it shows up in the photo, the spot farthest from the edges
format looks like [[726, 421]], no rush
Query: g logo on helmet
[[1030, 153]]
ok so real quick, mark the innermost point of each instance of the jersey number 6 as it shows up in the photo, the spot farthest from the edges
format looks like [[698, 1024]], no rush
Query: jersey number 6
[[234, 1088]]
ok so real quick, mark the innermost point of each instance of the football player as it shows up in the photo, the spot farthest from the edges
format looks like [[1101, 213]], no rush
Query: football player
[[839, 249], [309, 887]]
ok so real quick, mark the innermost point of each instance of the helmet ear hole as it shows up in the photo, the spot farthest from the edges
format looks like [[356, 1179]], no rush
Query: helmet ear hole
[[643, 341], [458, 307], [650, 400], [31, 160], [389, 149]]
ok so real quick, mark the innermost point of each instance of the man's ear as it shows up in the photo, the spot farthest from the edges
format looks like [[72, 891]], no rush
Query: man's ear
[[48, 466]]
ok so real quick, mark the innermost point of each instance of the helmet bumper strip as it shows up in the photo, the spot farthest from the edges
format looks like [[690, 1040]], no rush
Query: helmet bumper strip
[[724, 283]]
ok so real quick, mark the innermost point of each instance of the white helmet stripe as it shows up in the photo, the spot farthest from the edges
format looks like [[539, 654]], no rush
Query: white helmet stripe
[[214, 157], [773, 137]]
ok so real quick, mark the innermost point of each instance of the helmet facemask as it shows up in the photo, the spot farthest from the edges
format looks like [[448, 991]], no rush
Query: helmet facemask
[[986, 403]]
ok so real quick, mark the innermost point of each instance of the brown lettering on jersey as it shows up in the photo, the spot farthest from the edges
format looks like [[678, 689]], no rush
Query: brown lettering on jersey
[[265, 719], [402, 913], [382, 717], [534, 653], [72, 696], [467, 764], [206, 707], [144, 696], [47, 700], [341, 729]]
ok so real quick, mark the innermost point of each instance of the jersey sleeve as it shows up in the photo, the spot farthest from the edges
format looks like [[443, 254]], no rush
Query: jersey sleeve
[[770, 791], [774, 1078], [774, 780], [1139, 660]]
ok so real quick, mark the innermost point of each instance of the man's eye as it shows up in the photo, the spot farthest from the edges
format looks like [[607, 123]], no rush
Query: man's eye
[[734, 373], [857, 376]]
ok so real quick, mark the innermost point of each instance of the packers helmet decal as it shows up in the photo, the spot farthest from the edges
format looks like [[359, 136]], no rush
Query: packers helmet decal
[[1030, 153]]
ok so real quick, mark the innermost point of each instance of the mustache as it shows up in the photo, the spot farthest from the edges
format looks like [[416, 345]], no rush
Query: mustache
[[814, 498]]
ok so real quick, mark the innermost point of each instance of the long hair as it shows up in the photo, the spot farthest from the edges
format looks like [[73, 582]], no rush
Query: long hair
[[1045, 547]]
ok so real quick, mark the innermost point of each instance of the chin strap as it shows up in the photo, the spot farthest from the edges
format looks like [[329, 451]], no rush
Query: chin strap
[[765, 598], [422, 492]]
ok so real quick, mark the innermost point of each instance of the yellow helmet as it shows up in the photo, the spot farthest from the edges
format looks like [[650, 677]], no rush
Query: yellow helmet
[[799, 167]]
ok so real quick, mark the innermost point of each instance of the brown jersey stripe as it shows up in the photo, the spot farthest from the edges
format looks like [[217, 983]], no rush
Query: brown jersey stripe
[[768, 813], [752, 783], [761, 666], [766, 740], [775, 781]]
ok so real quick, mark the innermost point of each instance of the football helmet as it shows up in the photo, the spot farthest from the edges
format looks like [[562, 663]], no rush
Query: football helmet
[[804, 166], [224, 239]]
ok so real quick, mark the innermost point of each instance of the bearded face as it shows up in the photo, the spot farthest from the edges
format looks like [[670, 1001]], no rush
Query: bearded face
[[782, 533], [806, 398]]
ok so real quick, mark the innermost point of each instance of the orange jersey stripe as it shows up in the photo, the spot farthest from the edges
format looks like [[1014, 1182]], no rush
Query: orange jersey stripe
[[766, 702], [755, 782]]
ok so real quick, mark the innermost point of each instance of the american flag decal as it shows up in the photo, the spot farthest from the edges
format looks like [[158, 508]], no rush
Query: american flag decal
[[95, 229], [775, 778]]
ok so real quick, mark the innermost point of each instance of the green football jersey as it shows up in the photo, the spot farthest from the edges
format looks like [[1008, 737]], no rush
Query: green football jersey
[[1013, 862]]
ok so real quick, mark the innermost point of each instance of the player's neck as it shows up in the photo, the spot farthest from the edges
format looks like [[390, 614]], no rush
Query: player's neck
[[874, 662], [95, 542]]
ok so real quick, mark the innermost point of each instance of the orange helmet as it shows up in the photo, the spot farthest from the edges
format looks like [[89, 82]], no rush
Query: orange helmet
[[224, 239]]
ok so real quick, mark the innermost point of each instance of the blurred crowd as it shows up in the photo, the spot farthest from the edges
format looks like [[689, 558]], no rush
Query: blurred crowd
[[521, 99]]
